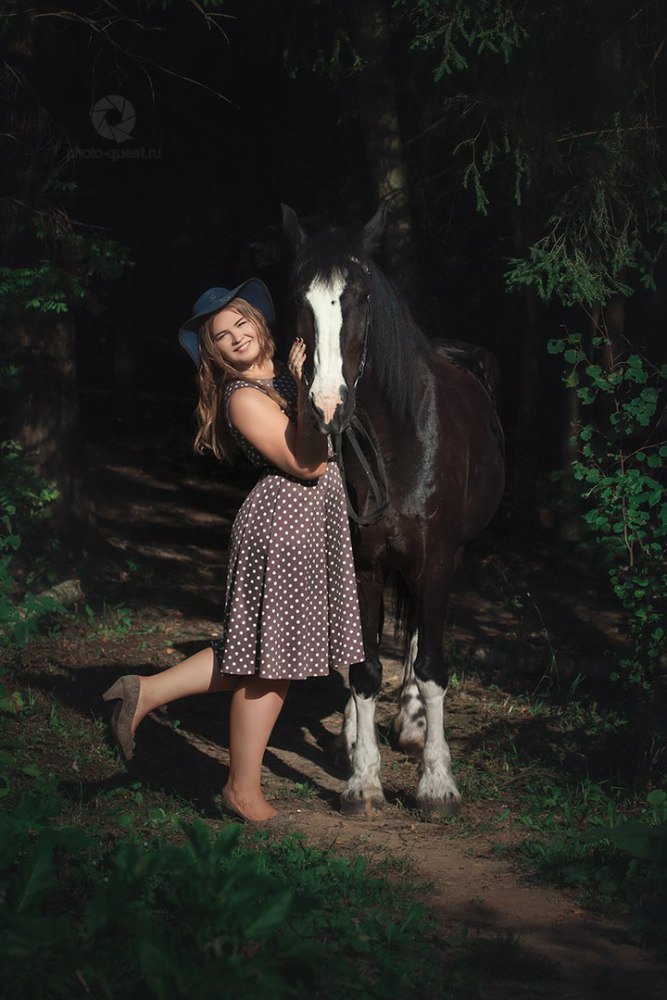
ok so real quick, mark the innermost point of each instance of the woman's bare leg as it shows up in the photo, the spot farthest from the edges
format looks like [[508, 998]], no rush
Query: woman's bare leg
[[196, 675], [256, 705]]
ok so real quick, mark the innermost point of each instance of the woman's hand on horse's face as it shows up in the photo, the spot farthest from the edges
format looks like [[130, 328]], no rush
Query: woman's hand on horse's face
[[296, 359]]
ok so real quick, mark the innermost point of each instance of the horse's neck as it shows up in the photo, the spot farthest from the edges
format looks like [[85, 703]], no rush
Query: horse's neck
[[377, 410]]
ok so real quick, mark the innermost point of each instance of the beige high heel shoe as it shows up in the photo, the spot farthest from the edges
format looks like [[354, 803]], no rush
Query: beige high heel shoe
[[126, 690]]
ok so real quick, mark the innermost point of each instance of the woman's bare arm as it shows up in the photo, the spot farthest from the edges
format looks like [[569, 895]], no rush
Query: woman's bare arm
[[298, 449]]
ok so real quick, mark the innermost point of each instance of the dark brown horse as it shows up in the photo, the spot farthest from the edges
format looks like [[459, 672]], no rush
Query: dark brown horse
[[425, 429]]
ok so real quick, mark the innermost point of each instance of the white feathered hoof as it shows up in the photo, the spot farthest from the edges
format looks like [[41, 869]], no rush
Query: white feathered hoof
[[355, 804], [432, 809]]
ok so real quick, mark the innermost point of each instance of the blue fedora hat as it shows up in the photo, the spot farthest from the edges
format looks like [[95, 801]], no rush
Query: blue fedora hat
[[253, 291]]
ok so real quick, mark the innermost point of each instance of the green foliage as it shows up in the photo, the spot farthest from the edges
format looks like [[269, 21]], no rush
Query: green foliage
[[587, 144], [604, 229], [48, 287], [272, 918], [619, 467], [24, 502], [455, 28], [577, 837]]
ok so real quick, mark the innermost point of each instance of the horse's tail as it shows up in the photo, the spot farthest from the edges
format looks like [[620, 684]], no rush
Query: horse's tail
[[404, 611]]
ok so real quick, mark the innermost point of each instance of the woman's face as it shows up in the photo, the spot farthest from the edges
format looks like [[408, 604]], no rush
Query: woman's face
[[236, 338]]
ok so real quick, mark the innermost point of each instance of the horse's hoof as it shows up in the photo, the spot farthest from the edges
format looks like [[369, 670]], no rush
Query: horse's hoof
[[358, 806], [432, 809]]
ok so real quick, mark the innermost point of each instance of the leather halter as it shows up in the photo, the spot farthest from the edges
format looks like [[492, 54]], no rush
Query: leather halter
[[355, 429]]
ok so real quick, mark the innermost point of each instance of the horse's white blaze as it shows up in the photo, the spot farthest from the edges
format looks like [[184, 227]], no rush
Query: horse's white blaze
[[365, 782], [437, 781], [324, 299], [410, 723]]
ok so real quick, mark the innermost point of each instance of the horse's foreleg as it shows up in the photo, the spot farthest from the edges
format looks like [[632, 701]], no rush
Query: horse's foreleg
[[437, 793], [410, 723], [363, 793]]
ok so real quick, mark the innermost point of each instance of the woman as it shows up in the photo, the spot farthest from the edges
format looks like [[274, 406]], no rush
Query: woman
[[291, 608]]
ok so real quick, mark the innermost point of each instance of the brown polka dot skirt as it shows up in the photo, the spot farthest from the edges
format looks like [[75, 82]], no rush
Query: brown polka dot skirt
[[291, 608]]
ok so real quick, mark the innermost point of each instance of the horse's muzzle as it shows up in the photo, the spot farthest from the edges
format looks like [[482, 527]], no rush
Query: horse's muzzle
[[333, 416]]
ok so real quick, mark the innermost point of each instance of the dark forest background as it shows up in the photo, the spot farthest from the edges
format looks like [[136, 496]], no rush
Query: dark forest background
[[520, 149]]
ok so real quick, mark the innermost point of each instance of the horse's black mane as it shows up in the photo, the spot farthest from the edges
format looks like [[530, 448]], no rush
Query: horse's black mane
[[396, 345]]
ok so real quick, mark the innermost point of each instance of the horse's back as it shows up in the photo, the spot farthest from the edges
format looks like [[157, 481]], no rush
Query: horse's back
[[474, 359], [468, 377]]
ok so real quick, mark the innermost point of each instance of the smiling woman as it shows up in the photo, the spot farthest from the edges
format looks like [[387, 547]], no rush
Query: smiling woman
[[236, 337], [291, 608]]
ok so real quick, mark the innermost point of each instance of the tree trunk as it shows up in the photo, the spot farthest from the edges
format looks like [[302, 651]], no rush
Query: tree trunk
[[44, 410], [44, 417], [378, 115]]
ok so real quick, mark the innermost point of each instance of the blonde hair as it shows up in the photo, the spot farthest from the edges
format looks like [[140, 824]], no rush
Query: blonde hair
[[215, 374]]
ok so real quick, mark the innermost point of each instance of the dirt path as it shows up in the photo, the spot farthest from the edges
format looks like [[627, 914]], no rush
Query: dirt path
[[174, 527]]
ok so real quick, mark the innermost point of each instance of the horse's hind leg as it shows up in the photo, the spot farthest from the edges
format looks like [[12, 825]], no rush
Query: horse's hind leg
[[342, 747], [437, 793], [363, 793], [410, 723]]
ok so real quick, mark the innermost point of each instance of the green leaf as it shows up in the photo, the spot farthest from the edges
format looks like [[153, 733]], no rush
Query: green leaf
[[36, 877], [638, 839], [164, 977], [272, 916]]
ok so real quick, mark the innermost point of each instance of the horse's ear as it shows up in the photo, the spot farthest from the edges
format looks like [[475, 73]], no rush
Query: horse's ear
[[373, 231], [292, 226]]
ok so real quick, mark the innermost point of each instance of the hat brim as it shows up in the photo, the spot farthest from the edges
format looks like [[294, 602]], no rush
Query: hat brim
[[253, 291]]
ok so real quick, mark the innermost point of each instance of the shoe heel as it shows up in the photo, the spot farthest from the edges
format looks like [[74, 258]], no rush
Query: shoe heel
[[115, 691]]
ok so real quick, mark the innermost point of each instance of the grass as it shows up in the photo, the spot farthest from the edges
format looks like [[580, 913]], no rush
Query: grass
[[109, 887], [509, 765], [585, 836], [552, 771], [590, 833]]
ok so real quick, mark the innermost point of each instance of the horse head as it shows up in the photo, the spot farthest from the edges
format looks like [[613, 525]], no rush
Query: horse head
[[331, 291]]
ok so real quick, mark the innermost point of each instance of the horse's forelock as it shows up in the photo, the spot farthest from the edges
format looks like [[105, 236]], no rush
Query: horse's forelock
[[327, 257]]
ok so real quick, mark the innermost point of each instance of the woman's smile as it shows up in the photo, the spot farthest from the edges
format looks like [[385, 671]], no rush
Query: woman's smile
[[236, 338]]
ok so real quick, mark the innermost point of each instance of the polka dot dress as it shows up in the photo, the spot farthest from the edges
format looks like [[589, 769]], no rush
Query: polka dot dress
[[291, 609]]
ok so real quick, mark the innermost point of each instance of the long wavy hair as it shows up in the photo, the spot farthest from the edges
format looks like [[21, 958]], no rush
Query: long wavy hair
[[215, 374]]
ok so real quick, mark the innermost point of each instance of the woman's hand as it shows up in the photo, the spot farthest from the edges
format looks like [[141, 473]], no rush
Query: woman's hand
[[296, 360]]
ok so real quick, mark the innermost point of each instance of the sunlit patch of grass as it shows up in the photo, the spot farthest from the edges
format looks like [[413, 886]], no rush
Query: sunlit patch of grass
[[305, 791]]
